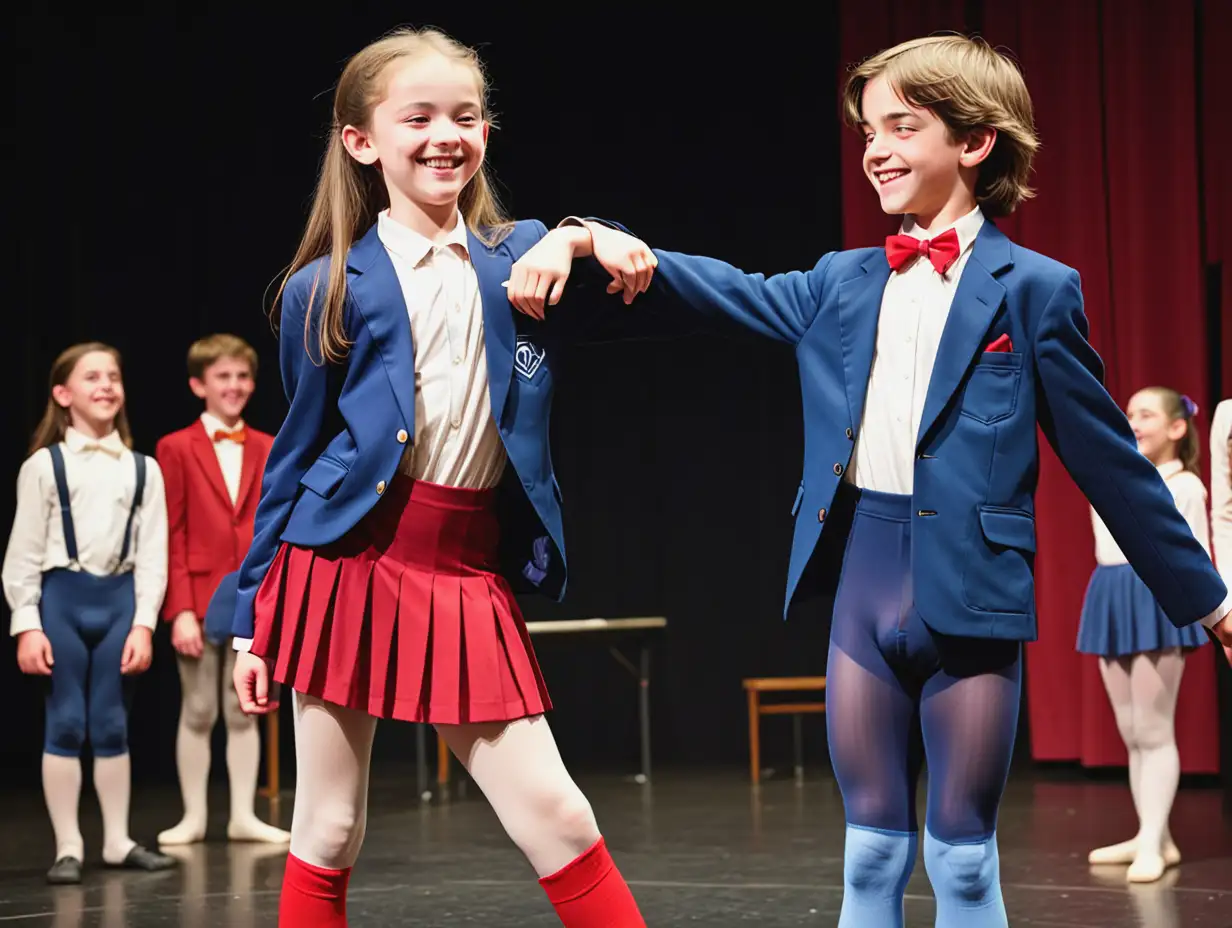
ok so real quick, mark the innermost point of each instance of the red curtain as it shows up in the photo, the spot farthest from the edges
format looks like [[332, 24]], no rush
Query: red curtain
[[1119, 199]]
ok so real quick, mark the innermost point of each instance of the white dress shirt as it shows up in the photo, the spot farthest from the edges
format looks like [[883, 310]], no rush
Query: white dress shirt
[[914, 307], [230, 454], [102, 480], [456, 442], [1221, 490]]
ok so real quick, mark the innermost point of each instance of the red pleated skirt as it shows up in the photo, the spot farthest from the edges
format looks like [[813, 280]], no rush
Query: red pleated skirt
[[405, 617]]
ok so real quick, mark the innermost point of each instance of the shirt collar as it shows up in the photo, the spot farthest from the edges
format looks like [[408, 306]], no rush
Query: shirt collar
[[213, 424], [412, 247], [1170, 468], [77, 442], [967, 227]]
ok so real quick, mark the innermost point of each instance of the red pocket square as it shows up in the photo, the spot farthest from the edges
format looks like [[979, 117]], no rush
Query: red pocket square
[[1001, 343]]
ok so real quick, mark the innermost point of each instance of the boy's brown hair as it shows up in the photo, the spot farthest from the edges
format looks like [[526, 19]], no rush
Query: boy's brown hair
[[967, 85], [213, 348]]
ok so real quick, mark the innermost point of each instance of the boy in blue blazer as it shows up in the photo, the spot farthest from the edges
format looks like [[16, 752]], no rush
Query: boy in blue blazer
[[926, 366]]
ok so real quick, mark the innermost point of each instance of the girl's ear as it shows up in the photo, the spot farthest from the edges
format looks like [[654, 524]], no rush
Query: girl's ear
[[62, 395]]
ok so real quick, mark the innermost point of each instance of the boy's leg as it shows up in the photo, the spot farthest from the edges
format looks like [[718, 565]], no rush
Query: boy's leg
[[198, 713]]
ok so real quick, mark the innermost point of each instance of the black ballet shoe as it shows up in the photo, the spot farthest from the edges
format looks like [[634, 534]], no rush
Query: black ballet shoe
[[140, 858], [65, 872]]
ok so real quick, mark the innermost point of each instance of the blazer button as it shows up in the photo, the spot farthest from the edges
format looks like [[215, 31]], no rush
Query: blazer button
[[380, 488], [402, 436], [838, 470], [821, 516], [849, 433]]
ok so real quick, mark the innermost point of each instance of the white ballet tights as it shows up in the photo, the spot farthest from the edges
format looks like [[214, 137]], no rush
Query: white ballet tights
[[515, 764], [1143, 690], [200, 682]]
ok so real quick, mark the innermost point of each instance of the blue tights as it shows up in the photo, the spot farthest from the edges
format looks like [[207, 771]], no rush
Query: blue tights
[[890, 679]]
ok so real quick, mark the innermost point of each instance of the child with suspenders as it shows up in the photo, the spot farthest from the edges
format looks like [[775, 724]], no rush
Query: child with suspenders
[[84, 575]]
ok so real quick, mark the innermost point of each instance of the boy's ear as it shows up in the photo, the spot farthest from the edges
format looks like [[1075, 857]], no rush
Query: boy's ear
[[197, 385], [978, 146]]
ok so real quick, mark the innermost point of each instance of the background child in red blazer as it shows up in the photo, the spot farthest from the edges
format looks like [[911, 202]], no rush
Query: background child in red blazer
[[213, 474]]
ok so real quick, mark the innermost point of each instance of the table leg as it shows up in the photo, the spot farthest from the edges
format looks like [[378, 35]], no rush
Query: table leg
[[643, 710], [754, 737]]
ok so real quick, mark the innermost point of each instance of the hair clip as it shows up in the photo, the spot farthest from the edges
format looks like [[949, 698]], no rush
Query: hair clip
[[1191, 408]]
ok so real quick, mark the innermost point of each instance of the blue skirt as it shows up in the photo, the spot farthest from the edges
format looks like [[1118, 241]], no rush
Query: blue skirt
[[1120, 617]]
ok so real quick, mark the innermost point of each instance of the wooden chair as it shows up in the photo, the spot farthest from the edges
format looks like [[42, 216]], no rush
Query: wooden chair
[[754, 687]]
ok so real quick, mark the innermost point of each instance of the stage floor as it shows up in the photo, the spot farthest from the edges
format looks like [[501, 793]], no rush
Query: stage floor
[[697, 848]]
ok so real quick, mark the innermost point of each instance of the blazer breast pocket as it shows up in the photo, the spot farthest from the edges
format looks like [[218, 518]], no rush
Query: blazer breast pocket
[[991, 394]]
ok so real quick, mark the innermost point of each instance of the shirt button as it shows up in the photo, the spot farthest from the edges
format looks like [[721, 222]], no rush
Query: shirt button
[[457, 360], [402, 436], [838, 470], [380, 488], [456, 422]]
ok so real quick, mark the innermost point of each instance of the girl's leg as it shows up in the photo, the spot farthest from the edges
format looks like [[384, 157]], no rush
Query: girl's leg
[[65, 732], [243, 763], [108, 732], [198, 713], [520, 771], [333, 749], [1116, 676], [1155, 680]]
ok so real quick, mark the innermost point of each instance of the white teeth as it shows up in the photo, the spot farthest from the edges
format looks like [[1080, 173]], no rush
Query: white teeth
[[888, 176], [441, 162]]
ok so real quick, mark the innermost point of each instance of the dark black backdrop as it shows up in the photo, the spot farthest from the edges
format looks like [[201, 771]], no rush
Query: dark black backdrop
[[161, 167]]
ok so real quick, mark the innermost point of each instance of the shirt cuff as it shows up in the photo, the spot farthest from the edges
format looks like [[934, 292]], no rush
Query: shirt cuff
[[571, 221], [146, 618], [25, 619], [241, 644], [1219, 614]]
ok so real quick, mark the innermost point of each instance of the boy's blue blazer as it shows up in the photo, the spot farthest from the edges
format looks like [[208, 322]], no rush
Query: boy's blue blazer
[[977, 454]]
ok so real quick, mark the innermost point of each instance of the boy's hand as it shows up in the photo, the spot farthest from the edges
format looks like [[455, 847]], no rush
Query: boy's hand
[[629, 260], [186, 635]]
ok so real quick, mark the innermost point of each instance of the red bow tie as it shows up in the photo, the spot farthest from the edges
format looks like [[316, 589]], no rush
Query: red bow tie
[[942, 251], [239, 436]]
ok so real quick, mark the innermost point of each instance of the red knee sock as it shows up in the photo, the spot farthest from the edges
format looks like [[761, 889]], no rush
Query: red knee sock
[[589, 892], [312, 897]]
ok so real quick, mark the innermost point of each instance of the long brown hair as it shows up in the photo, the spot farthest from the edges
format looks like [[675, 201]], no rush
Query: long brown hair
[[56, 420], [349, 195], [1178, 406]]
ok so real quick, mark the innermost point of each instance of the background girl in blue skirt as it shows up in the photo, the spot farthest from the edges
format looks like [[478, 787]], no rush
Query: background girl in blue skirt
[[84, 574], [1141, 652]]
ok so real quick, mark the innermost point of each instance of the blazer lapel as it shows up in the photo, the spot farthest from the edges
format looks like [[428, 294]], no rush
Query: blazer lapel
[[976, 301], [492, 266], [207, 459], [378, 297], [858, 312]]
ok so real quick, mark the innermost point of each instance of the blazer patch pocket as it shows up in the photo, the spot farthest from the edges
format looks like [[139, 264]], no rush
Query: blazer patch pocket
[[991, 394]]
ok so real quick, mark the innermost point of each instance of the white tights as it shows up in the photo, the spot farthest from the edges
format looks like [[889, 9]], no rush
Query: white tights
[[1143, 690], [515, 764]]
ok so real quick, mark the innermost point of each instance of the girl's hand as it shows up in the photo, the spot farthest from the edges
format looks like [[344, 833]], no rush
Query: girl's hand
[[629, 260], [539, 276], [251, 678], [34, 653], [138, 651], [186, 635]]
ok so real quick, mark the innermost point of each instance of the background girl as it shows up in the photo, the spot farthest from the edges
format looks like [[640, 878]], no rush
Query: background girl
[[378, 581], [1221, 493], [1141, 652], [84, 574]]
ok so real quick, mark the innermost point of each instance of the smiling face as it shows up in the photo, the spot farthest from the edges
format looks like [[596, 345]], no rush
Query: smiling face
[[427, 135], [1158, 434], [913, 161], [226, 386], [93, 393]]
